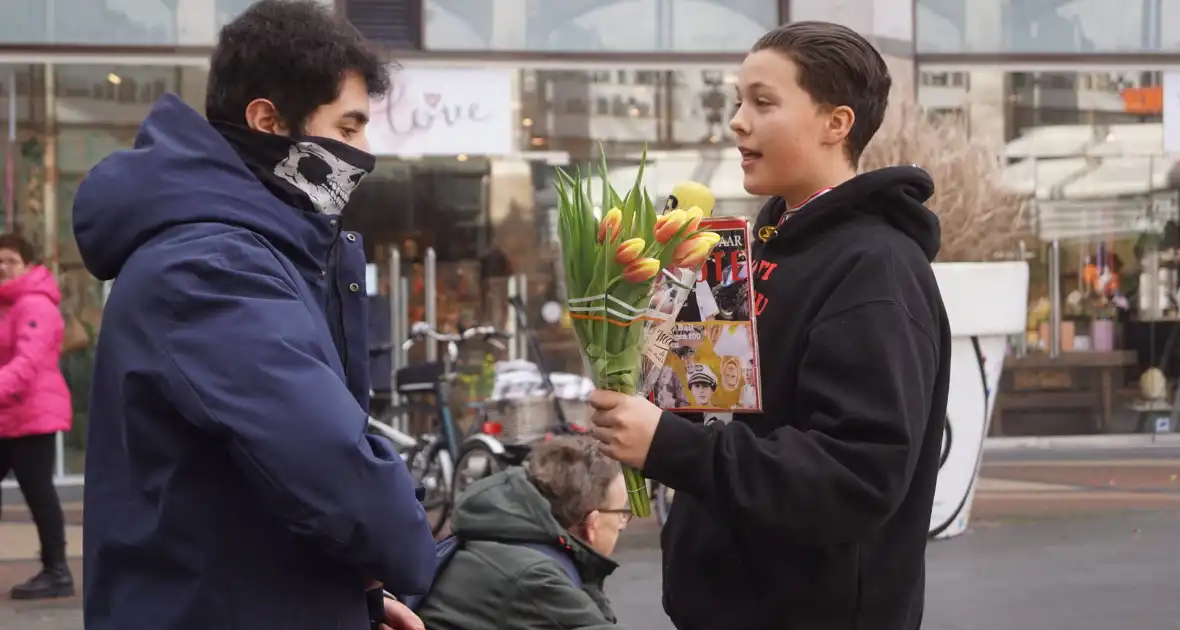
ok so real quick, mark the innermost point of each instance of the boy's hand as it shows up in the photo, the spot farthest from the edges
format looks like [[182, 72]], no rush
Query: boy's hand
[[625, 425]]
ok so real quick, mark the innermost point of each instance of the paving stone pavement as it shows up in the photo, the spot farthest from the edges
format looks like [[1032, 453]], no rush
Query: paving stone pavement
[[1064, 544]]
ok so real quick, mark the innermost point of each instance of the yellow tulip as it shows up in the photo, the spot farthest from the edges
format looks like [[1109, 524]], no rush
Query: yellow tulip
[[641, 270], [695, 214], [695, 250], [612, 224], [629, 250], [692, 194], [669, 224]]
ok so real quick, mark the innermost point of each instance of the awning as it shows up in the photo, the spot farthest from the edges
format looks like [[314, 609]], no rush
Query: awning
[[1089, 182], [1062, 141]]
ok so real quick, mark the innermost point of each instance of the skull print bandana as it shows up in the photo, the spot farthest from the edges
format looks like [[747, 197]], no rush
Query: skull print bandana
[[316, 174]]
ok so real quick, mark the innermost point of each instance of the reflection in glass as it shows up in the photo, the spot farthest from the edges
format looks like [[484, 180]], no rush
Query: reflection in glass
[[1006, 105], [598, 25], [117, 22], [625, 110], [437, 203], [1055, 26]]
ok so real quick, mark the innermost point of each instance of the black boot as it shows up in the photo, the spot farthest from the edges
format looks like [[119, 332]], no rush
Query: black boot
[[53, 581]]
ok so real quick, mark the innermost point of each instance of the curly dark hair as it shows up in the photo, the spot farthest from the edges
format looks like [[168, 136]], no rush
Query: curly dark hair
[[294, 53], [17, 243]]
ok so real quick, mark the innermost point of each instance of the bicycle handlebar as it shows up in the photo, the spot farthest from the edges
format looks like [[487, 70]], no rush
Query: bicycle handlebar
[[421, 330]]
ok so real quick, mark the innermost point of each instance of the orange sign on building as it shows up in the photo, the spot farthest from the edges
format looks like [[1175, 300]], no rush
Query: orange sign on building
[[1143, 100]]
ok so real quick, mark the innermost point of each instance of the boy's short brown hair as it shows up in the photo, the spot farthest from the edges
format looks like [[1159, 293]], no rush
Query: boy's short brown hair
[[574, 475], [837, 67]]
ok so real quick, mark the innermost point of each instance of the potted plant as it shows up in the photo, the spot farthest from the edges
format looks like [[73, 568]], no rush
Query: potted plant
[[986, 297]]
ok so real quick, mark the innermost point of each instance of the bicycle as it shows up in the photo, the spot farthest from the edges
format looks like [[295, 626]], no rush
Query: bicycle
[[431, 457], [484, 453]]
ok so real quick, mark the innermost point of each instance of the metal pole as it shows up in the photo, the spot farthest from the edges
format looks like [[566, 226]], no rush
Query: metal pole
[[50, 247], [522, 339], [431, 297], [1022, 341], [395, 323], [511, 326], [10, 157], [400, 286], [1055, 299], [403, 316]]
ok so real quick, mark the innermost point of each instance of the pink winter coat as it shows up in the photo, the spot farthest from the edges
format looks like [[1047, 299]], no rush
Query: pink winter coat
[[34, 399]]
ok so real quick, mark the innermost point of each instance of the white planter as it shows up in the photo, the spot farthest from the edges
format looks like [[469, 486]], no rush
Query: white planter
[[986, 303]]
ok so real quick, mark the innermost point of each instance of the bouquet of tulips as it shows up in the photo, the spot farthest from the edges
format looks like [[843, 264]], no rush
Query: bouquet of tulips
[[612, 265]]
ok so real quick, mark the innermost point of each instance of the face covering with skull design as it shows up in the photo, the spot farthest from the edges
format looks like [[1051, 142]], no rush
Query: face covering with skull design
[[312, 173]]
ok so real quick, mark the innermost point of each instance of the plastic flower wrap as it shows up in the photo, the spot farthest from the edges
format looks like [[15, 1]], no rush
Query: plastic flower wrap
[[612, 266]]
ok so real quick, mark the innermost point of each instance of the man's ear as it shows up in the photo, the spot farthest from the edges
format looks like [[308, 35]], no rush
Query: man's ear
[[840, 122], [590, 527], [261, 115]]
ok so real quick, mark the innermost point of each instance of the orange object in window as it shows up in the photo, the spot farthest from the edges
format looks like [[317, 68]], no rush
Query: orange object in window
[[1090, 276], [1143, 100]]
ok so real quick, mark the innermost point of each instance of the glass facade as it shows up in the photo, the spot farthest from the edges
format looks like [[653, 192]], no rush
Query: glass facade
[[1052, 26], [486, 218], [1085, 150], [117, 22], [67, 118], [598, 25]]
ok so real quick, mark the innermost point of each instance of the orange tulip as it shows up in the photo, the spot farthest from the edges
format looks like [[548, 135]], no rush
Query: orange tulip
[[695, 214], [695, 250], [669, 224], [611, 222], [641, 270], [629, 250]]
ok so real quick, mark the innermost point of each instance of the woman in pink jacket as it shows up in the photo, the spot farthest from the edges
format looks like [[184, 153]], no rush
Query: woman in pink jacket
[[34, 404]]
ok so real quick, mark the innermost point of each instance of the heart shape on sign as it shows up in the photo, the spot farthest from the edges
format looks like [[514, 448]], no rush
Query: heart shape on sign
[[433, 98]]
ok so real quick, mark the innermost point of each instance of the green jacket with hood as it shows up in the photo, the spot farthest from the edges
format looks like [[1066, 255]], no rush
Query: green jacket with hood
[[492, 584]]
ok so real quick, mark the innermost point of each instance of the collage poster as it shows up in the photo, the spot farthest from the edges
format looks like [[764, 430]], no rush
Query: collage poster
[[712, 362]]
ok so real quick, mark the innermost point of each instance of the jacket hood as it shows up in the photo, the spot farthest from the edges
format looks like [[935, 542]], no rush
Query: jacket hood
[[181, 170], [38, 279], [895, 194], [507, 507]]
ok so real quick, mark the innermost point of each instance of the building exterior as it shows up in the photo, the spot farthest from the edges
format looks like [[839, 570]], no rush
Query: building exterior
[[492, 95]]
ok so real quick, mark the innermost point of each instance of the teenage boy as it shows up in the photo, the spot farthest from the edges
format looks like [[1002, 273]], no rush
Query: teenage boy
[[813, 514]]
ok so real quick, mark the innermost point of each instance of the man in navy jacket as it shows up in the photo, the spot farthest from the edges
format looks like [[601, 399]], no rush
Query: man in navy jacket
[[229, 479]]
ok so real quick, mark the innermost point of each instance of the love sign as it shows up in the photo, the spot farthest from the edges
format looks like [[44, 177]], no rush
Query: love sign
[[445, 112]]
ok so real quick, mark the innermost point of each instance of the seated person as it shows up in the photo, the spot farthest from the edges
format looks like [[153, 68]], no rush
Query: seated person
[[568, 498]]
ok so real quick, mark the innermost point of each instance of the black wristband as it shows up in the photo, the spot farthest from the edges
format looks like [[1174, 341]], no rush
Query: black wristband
[[375, 598]]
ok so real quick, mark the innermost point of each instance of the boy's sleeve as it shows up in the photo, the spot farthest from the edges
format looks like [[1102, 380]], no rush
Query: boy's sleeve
[[246, 365], [866, 379]]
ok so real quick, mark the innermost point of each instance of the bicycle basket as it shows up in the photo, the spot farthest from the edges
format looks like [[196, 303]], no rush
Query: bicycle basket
[[525, 420]]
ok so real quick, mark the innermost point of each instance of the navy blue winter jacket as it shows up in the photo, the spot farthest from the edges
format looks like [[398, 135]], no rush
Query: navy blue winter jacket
[[230, 484]]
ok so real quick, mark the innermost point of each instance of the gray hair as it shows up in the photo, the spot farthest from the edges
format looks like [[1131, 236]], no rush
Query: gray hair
[[573, 474]]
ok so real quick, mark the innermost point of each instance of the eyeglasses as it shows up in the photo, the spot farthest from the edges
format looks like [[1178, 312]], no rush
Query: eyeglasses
[[624, 514]]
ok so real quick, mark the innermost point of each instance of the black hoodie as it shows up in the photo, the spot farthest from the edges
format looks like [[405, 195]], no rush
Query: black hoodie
[[814, 515]]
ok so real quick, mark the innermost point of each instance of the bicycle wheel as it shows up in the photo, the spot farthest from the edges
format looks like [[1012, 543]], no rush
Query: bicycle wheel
[[663, 502], [476, 461], [433, 470]]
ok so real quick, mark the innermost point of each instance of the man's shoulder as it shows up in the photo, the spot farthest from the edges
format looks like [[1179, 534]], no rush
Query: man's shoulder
[[193, 247], [178, 261]]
